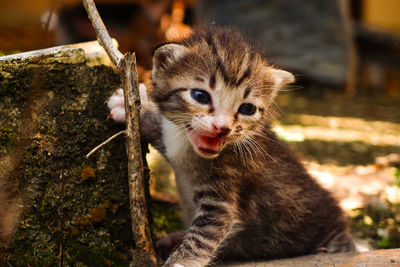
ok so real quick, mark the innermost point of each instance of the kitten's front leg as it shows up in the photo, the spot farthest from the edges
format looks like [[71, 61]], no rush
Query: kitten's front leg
[[212, 224]]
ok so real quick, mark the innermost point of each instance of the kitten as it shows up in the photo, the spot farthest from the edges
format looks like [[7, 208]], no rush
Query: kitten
[[244, 195]]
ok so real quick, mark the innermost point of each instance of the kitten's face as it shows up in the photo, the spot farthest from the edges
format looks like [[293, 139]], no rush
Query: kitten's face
[[215, 98]]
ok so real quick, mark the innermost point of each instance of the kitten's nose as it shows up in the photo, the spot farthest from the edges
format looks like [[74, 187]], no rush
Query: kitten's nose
[[221, 131]]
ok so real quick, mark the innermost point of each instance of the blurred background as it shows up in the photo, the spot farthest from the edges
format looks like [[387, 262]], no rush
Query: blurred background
[[348, 44], [342, 116]]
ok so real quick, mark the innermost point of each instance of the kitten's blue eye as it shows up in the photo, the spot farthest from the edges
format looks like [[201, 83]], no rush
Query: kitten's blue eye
[[247, 109], [201, 96]]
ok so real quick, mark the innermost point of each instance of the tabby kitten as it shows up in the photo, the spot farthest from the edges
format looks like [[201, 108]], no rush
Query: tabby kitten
[[244, 195]]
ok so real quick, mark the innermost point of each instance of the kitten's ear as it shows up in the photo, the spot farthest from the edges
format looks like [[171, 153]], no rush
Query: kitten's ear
[[166, 54], [281, 78]]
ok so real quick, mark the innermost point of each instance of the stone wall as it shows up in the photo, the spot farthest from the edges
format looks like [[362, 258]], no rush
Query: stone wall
[[55, 202]]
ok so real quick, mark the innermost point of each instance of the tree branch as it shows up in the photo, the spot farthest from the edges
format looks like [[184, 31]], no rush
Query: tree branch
[[143, 253], [104, 143], [137, 181], [101, 32]]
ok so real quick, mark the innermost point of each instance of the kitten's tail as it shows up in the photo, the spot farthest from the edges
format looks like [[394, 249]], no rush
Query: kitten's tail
[[341, 242]]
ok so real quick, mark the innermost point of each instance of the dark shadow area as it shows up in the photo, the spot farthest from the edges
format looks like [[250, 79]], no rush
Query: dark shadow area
[[341, 153], [324, 102]]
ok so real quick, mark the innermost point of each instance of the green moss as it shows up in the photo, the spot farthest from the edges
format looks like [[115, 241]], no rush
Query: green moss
[[8, 139], [166, 219]]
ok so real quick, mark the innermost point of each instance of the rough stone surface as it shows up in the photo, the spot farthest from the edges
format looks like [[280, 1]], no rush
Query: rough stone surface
[[377, 258], [53, 112], [307, 37]]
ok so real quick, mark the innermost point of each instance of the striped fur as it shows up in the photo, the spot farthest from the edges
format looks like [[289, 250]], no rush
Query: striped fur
[[253, 199]]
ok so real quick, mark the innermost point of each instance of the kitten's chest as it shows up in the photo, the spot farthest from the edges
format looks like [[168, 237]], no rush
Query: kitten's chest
[[187, 167], [175, 142]]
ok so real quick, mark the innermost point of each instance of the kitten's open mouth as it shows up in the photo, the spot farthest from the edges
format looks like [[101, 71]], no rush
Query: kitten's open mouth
[[206, 146]]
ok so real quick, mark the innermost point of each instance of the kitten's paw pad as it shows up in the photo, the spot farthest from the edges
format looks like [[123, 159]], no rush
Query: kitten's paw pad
[[117, 114], [116, 104], [116, 100]]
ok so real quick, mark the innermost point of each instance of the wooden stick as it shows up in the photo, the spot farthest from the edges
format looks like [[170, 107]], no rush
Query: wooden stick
[[101, 32], [143, 253], [104, 143]]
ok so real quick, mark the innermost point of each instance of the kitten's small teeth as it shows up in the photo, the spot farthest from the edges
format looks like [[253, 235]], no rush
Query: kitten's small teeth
[[178, 265]]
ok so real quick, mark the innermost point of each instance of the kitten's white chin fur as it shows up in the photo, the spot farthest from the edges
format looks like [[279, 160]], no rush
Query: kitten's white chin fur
[[173, 138]]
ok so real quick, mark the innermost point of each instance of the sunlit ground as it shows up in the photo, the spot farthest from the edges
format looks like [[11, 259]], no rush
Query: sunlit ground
[[351, 157], [351, 146]]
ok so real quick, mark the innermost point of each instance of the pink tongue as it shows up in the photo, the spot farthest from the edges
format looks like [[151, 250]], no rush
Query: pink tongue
[[211, 143]]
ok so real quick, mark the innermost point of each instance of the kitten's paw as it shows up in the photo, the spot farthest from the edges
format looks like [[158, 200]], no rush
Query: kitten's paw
[[144, 101], [116, 104], [342, 242]]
